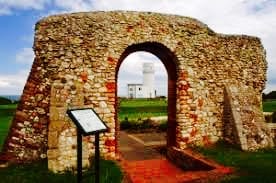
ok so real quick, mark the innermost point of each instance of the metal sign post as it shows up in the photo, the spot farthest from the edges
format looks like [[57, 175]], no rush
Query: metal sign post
[[79, 156], [97, 158], [88, 123]]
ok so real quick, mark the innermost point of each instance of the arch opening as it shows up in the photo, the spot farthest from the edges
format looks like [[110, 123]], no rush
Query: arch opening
[[169, 61]]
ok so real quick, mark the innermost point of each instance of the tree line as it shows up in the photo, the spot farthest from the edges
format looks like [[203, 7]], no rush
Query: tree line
[[6, 101], [270, 96]]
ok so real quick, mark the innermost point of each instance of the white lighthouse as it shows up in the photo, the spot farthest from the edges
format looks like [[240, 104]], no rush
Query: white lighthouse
[[147, 89], [148, 80]]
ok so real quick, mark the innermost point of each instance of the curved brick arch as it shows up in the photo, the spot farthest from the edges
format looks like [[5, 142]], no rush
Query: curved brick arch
[[78, 55], [169, 60]]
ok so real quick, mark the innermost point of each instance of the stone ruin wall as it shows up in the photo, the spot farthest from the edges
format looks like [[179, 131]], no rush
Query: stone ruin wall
[[243, 120], [77, 57]]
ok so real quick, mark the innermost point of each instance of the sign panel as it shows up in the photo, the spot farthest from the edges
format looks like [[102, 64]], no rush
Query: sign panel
[[87, 120]]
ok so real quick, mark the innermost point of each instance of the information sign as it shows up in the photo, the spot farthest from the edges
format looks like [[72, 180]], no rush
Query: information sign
[[88, 123], [87, 120]]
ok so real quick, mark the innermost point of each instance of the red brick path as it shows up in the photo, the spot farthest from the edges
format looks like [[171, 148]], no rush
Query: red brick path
[[143, 164], [162, 171]]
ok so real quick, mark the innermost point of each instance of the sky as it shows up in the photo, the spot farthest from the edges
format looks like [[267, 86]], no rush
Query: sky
[[18, 18]]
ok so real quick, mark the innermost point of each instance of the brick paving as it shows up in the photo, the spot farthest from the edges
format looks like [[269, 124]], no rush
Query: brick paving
[[144, 165], [133, 148], [163, 171], [156, 170]]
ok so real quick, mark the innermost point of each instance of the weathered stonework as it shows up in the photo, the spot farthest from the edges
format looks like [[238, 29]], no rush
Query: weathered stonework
[[243, 120], [77, 58]]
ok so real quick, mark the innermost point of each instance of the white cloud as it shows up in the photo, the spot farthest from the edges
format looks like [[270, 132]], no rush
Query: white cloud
[[4, 10], [13, 83], [270, 87], [4, 83], [7, 6], [255, 18], [25, 56], [74, 5]]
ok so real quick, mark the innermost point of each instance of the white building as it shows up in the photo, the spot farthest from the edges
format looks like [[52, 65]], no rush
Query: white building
[[135, 91], [147, 89]]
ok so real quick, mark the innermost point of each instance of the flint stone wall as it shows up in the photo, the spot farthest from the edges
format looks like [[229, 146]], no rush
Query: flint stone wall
[[77, 57], [244, 123]]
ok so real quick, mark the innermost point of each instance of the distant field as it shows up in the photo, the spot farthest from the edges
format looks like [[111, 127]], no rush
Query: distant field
[[131, 109], [269, 106], [144, 108], [134, 109], [6, 114]]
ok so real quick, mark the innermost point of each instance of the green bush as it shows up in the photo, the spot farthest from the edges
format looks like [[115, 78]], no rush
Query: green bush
[[163, 126], [142, 126], [134, 125]]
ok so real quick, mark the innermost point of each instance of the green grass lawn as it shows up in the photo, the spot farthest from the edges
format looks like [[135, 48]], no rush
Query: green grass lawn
[[269, 106], [134, 109], [6, 115], [251, 167], [38, 172]]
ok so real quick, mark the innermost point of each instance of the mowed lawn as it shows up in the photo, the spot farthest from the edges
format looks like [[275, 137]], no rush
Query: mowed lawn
[[269, 106], [6, 115], [250, 167], [257, 167], [38, 172], [134, 109]]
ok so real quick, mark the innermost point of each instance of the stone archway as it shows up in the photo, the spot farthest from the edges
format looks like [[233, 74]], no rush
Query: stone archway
[[170, 62], [83, 51]]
